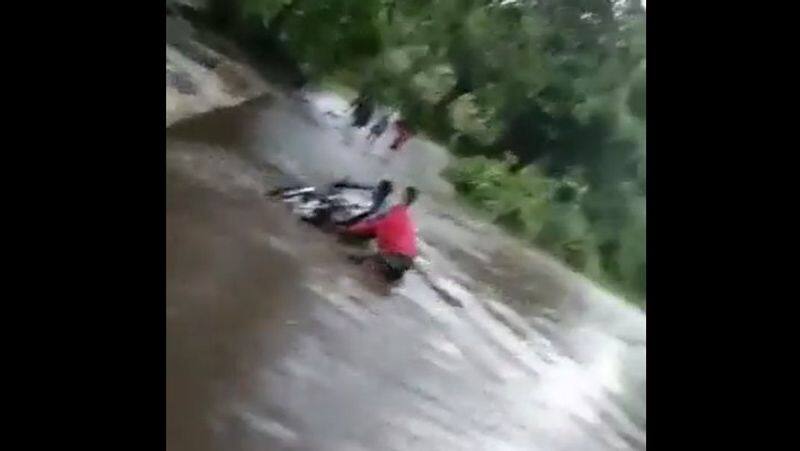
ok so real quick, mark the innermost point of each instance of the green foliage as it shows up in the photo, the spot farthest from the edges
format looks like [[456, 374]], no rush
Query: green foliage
[[600, 233], [519, 201]]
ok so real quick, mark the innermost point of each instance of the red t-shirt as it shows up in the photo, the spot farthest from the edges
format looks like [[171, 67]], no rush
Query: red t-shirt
[[394, 231]]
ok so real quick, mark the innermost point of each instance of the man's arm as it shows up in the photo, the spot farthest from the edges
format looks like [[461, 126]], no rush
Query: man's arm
[[365, 228], [355, 219]]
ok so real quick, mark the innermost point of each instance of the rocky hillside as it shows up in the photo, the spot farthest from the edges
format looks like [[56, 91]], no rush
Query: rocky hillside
[[200, 79]]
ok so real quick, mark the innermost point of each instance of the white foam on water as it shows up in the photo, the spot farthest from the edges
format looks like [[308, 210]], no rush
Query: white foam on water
[[270, 427]]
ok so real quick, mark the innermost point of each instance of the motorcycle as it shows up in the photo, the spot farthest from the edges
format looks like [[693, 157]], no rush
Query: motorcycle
[[323, 208]]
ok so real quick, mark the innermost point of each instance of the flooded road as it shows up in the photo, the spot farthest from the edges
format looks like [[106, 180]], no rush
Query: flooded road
[[276, 342]]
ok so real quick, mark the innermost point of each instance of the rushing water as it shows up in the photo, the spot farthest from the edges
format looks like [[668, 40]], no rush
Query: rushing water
[[275, 341]]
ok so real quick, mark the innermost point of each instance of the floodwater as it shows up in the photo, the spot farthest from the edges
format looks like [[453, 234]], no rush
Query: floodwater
[[276, 342]]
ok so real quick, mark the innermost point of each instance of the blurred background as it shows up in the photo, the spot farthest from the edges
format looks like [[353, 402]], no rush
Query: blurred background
[[526, 127]]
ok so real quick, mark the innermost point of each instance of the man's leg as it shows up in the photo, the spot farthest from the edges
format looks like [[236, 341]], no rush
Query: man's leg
[[394, 266]]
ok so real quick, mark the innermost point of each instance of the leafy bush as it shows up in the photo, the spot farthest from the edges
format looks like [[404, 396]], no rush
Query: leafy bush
[[598, 232]]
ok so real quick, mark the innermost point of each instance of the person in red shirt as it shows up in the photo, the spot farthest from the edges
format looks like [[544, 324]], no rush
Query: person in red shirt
[[396, 236]]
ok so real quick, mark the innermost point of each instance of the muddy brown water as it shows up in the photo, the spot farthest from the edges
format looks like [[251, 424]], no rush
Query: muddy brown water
[[276, 342]]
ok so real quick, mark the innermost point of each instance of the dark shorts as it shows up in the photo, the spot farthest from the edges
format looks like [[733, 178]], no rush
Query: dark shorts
[[394, 266], [391, 266]]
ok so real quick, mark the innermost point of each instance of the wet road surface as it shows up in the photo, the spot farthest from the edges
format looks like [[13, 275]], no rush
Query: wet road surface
[[276, 342]]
